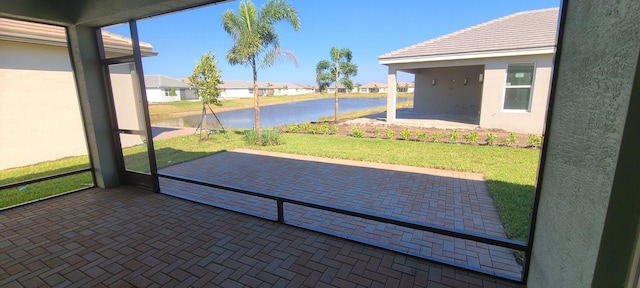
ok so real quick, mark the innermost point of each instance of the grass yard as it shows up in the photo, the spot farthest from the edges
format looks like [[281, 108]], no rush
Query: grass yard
[[34, 191], [510, 172]]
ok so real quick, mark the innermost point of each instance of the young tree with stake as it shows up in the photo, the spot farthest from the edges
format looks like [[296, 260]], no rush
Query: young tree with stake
[[330, 71]]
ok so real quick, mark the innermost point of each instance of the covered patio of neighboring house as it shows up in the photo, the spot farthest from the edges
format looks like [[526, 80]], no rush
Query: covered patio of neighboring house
[[495, 75]]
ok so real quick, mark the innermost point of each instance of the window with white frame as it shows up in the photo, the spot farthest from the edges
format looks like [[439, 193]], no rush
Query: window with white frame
[[518, 87]]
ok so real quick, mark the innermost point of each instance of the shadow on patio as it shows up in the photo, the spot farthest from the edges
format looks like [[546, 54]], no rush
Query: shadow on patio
[[127, 237]]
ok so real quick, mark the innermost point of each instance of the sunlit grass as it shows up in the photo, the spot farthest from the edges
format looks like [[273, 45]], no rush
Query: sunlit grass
[[43, 189]]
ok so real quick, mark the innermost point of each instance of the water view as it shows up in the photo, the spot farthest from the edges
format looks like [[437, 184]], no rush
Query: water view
[[281, 114]]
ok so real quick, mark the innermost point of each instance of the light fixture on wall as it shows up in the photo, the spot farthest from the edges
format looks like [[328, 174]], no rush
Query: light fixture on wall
[[481, 78], [433, 82], [465, 81]]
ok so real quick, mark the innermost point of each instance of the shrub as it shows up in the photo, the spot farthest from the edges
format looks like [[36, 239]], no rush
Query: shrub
[[324, 129], [250, 137], [291, 128], [376, 132], [454, 136], [313, 129], [472, 137], [390, 133], [356, 132], [491, 139], [271, 137], [437, 136], [534, 140], [334, 129], [268, 137], [512, 139], [421, 135], [405, 134]]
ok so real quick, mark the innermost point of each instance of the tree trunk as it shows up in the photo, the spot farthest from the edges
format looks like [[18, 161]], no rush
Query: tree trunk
[[256, 104], [204, 121], [336, 96]]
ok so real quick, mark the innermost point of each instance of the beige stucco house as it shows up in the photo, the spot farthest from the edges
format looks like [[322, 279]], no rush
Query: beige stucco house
[[378, 87], [36, 76], [496, 74]]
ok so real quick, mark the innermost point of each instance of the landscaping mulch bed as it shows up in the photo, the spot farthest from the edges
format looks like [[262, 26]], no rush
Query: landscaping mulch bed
[[369, 129]]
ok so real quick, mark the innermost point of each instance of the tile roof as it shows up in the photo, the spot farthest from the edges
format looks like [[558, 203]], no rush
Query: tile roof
[[161, 81], [374, 85], [242, 84], [519, 31], [236, 84], [30, 32]]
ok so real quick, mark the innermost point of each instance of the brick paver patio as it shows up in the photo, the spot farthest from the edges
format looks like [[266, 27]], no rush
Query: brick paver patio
[[129, 237], [451, 199]]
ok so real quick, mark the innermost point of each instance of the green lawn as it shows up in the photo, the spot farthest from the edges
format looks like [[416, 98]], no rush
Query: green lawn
[[510, 172], [9, 197]]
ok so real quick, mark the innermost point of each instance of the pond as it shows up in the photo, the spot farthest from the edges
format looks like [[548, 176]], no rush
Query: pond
[[281, 114]]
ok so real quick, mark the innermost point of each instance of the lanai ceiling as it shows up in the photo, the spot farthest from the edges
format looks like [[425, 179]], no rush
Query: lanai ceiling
[[93, 13]]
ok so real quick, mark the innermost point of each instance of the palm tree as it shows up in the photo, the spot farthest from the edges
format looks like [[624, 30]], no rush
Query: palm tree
[[256, 42], [331, 71]]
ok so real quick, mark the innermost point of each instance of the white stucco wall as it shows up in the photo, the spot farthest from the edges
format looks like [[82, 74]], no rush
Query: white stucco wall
[[236, 93], [40, 118], [493, 88], [39, 112], [291, 91], [154, 94], [158, 95], [493, 116]]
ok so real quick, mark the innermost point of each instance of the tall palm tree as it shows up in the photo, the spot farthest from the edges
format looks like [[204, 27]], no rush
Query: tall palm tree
[[256, 42], [340, 65]]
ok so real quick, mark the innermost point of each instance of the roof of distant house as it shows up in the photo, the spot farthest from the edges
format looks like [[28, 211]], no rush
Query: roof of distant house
[[242, 84], [374, 85], [529, 30], [161, 81], [36, 33]]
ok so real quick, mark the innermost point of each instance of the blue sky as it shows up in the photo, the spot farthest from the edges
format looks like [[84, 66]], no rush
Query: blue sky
[[368, 28]]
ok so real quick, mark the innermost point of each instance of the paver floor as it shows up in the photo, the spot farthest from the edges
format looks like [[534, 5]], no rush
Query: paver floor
[[129, 237], [455, 200]]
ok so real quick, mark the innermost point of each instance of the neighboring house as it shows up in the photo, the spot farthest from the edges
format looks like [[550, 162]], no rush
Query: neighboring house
[[374, 87], [497, 73], [244, 89], [292, 89], [36, 72], [341, 89], [405, 87], [236, 89], [160, 89]]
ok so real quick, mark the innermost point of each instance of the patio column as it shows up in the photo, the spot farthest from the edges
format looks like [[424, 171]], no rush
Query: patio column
[[391, 95], [85, 60]]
